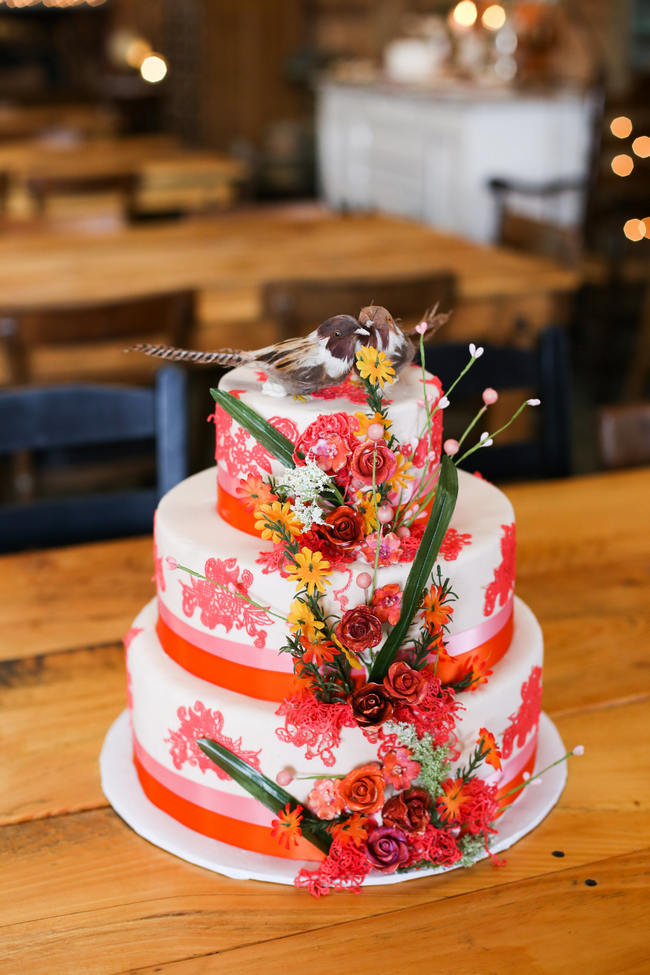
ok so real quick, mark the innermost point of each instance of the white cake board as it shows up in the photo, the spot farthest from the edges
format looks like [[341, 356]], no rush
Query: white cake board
[[123, 790]]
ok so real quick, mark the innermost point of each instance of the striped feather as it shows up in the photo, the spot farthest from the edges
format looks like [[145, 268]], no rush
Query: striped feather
[[221, 357]]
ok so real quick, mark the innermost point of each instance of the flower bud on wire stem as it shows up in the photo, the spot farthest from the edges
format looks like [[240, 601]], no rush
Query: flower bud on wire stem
[[578, 750], [421, 329], [474, 353], [488, 438]]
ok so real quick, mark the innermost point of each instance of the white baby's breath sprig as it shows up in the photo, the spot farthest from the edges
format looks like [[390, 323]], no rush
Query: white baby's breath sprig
[[305, 484]]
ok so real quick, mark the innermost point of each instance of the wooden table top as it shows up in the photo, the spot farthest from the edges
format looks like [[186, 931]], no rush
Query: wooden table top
[[82, 893], [171, 175]]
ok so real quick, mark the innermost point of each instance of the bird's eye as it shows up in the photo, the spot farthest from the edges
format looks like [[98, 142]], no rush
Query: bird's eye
[[337, 333]]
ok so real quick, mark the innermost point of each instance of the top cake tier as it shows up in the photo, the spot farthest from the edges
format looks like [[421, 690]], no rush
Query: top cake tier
[[239, 455]]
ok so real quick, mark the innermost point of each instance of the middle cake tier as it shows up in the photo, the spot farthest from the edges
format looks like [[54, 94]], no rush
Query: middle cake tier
[[211, 627]]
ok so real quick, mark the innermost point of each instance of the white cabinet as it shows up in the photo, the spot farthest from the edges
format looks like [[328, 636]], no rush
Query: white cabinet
[[429, 156]]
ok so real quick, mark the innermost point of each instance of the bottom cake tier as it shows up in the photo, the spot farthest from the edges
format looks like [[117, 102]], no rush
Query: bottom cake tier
[[171, 708]]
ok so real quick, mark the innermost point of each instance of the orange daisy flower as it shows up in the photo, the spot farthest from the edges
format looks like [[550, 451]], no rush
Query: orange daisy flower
[[436, 613], [352, 830], [365, 421], [402, 474], [310, 569], [319, 653], [451, 803], [271, 517], [375, 366], [286, 828], [254, 492], [302, 620], [489, 747]]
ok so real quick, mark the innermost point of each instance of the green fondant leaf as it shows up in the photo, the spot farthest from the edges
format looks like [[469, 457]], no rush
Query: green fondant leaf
[[272, 795], [270, 438], [418, 577]]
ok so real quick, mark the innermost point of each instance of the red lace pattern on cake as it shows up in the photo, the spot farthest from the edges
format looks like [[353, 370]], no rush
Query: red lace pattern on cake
[[309, 722], [222, 606], [200, 722], [346, 390], [239, 451], [344, 868], [158, 574], [527, 717], [503, 584], [453, 544]]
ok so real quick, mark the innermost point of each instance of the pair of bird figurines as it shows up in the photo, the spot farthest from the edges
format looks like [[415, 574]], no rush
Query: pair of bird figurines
[[323, 358]]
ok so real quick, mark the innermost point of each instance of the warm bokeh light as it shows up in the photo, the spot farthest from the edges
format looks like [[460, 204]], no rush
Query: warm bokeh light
[[494, 17], [465, 13], [634, 229], [646, 224], [622, 164], [641, 146], [136, 52], [621, 126], [154, 68]]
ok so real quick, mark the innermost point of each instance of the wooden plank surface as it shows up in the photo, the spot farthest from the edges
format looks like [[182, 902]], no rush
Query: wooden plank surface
[[81, 892]]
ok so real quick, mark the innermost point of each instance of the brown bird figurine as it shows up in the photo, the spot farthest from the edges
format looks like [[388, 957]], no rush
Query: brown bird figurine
[[387, 336], [295, 366]]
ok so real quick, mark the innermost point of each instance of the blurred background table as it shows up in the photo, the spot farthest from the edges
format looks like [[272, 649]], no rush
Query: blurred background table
[[82, 893], [227, 259], [171, 178]]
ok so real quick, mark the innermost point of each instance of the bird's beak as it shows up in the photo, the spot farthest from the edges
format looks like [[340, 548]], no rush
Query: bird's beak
[[362, 331]]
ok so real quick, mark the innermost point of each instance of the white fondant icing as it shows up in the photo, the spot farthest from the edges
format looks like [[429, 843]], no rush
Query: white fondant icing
[[159, 687], [189, 531]]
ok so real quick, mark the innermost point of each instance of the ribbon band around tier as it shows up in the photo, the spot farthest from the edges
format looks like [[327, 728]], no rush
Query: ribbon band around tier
[[267, 675]]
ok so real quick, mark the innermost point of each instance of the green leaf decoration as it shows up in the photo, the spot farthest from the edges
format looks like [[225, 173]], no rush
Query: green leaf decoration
[[418, 577], [272, 795], [270, 438]]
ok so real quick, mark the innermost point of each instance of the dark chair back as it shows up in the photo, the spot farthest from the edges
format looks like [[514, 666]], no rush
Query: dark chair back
[[43, 187], [63, 417], [4, 191], [298, 306], [542, 372], [624, 435], [168, 317]]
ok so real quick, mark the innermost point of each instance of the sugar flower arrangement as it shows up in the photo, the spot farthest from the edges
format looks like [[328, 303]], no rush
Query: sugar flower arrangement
[[349, 492]]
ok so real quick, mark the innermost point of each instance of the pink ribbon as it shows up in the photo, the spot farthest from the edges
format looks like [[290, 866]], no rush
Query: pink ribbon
[[236, 807], [470, 639], [238, 653]]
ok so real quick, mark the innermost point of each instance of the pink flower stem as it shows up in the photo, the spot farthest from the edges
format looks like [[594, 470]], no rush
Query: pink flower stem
[[505, 426], [219, 585], [536, 776], [458, 379], [427, 405], [379, 527], [472, 424]]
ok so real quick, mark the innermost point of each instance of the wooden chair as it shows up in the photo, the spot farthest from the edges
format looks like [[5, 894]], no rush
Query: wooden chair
[[537, 235], [624, 435], [74, 417], [298, 306], [542, 371], [43, 187], [165, 317]]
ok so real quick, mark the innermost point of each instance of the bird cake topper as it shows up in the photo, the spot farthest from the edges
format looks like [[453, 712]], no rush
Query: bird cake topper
[[324, 357]]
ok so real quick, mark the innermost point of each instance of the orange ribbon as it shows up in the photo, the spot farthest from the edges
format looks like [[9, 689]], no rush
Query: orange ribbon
[[246, 836], [487, 654], [266, 685], [235, 512], [250, 836]]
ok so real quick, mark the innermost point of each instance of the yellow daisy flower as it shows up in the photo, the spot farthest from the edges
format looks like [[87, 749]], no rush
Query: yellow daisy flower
[[374, 366], [301, 619], [309, 570], [367, 510], [401, 477], [365, 421], [272, 516]]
